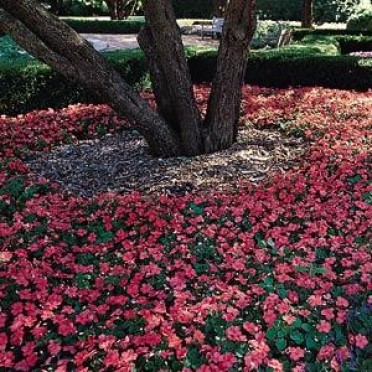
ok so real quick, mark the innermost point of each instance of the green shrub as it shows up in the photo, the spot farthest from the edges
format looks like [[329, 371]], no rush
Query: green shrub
[[316, 44], [267, 33], [361, 21], [341, 72], [289, 10], [334, 11], [349, 44], [299, 33], [279, 69], [77, 7], [193, 8], [9, 50], [26, 86], [348, 40], [95, 26]]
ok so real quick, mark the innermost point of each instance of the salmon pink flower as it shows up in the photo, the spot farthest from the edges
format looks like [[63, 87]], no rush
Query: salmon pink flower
[[342, 302], [234, 333], [361, 341], [295, 353], [275, 365], [323, 326]]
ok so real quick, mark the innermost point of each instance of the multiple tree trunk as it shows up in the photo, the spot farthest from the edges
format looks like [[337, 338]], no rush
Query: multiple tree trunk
[[177, 128]]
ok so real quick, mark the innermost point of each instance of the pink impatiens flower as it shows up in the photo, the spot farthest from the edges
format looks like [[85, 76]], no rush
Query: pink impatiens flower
[[295, 353], [323, 326], [234, 333], [361, 341]]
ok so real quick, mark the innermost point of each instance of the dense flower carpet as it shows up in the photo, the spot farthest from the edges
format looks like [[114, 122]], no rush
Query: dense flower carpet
[[269, 277]]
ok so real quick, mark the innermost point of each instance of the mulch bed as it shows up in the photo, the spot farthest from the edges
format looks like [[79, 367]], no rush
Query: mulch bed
[[121, 162]]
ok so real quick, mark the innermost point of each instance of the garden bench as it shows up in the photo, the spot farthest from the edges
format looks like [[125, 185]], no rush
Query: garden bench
[[214, 28]]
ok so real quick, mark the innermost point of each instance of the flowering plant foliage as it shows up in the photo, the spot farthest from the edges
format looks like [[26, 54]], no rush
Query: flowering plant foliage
[[274, 276]]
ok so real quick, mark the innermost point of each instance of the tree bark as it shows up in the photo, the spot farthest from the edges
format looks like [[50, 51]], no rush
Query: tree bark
[[307, 13], [222, 118], [55, 43], [162, 43]]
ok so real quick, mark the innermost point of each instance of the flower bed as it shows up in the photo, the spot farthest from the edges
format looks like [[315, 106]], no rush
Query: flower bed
[[274, 276]]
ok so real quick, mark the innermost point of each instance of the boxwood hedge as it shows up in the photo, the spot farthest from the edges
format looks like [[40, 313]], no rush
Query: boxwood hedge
[[31, 85]]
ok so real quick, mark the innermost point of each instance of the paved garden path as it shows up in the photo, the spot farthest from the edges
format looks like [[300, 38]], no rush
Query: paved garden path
[[113, 42]]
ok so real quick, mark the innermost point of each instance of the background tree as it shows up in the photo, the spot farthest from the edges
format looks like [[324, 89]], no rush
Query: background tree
[[275, 10], [121, 9], [177, 128], [80, 8], [219, 7], [307, 13], [336, 10]]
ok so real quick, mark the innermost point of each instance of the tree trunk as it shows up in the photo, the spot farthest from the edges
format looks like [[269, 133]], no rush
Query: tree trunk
[[221, 122], [307, 13], [162, 43]]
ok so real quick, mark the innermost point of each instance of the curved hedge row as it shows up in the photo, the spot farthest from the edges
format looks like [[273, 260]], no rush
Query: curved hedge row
[[32, 85], [299, 33]]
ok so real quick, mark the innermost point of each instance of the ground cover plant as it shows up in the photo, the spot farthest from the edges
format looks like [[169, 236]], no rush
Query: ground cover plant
[[274, 276]]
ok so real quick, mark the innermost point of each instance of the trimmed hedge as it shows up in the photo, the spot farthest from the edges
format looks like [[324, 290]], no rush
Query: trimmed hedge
[[95, 26], [279, 70], [348, 41], [25, 87], [349, 44], [299, 33]]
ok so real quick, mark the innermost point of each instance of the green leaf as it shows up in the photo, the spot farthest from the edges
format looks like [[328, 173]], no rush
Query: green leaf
[[271, 333], [301, 269], [310, 342], [306, 327], [270, 242], [367, 197], [281, 344], [193, 358], [260, 241], [282, 293], [318, 270], [297, 337], [296, 324], [354, 179]]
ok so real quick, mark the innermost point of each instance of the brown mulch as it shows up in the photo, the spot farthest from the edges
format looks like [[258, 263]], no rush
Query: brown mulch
[[121, 163]]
